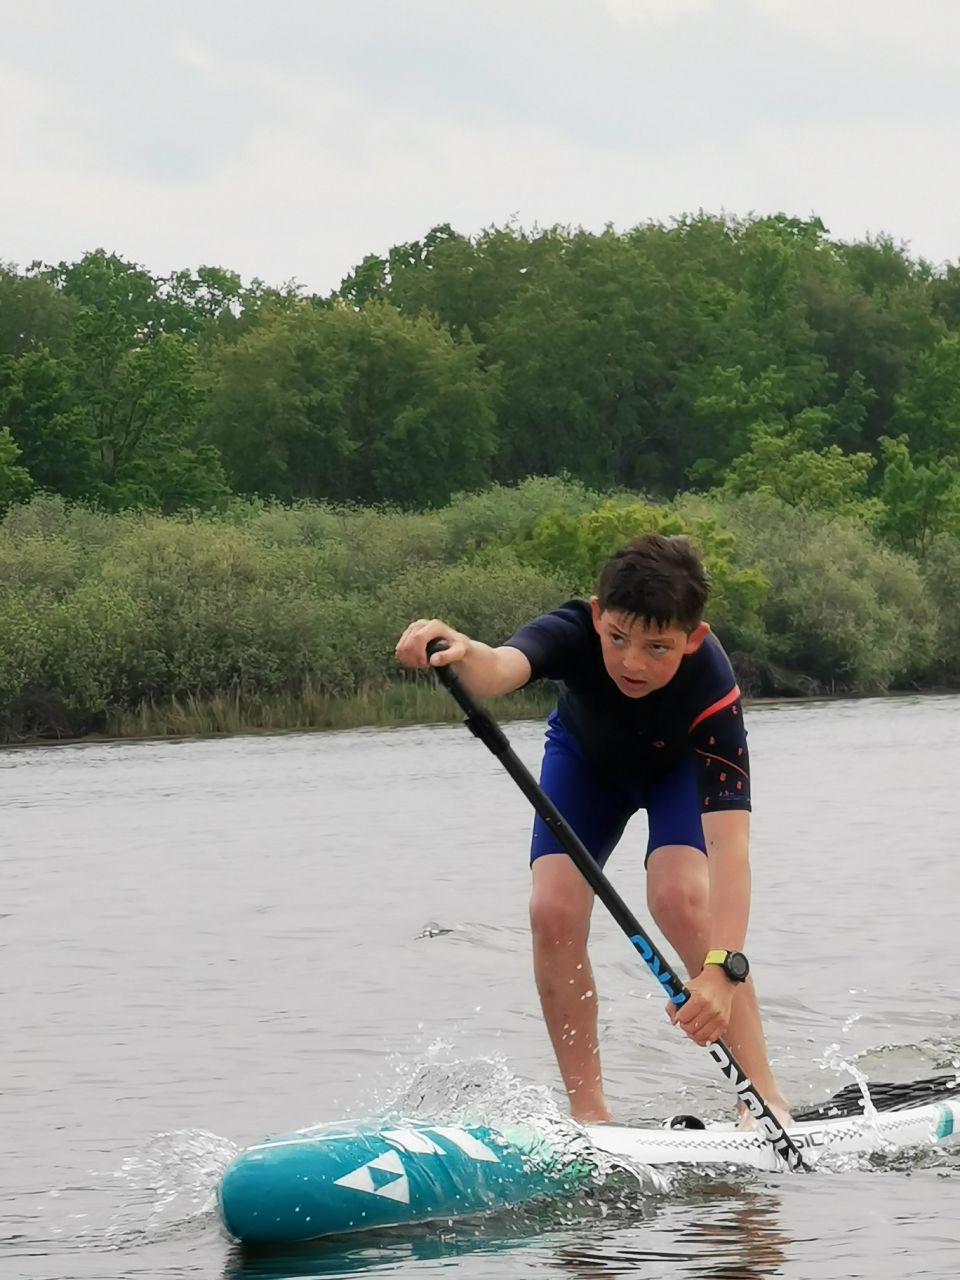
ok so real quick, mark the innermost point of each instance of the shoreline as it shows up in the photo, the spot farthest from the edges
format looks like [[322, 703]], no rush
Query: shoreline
[[394, 706]]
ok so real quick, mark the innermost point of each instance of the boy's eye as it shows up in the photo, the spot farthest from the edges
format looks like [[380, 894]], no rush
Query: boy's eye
[[659, 648]]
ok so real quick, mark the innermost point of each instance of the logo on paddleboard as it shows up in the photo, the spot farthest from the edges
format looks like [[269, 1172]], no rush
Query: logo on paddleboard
[[385, 1175]]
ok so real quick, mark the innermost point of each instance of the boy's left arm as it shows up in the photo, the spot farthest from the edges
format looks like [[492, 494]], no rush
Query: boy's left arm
[[706, 1015]]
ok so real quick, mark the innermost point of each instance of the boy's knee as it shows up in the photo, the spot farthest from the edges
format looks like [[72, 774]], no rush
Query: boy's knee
[[556, 920], [679, 908]]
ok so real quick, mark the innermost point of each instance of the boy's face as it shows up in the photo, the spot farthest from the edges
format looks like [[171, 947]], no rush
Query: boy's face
[[640, 658]]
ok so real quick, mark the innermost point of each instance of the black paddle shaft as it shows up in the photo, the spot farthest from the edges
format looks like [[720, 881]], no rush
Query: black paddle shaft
[[483, 726]]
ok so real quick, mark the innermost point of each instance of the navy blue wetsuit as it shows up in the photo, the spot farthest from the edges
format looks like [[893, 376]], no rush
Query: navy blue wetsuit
[[677, 752]]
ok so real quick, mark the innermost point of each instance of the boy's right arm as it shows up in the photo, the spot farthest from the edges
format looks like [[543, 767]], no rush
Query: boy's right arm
[[485, 672]]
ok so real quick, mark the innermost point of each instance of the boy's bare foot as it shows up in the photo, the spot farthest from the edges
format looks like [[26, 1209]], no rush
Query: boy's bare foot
[[748, 1122], [592, 1115]]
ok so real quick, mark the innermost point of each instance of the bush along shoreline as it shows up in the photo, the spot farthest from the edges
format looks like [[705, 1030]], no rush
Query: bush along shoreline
[[270, 617]]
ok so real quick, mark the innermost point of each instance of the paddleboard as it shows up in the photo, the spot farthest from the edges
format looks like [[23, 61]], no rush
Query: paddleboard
[[338, 1179]]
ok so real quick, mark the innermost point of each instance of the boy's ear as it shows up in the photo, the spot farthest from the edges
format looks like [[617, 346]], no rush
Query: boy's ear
[[696, 637], [596, 612]]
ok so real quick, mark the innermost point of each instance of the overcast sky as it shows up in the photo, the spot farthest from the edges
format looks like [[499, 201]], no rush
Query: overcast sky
[[287, 139]]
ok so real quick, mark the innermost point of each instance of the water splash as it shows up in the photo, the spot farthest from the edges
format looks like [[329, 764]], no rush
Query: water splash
[[908, 1062], [442, 1088], [485, 1092], [832, 1059], [170, 1184], [166, 1187]]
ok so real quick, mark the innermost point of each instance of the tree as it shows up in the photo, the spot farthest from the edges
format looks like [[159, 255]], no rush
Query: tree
[[920, 500], [872, 312], [107, 284], [928, 408], [461, 283], [33, 314], [825, 479], [15, 482], [581, 373], [731, 407], [37, 404], [114, 420], [201, 301], [277, 409], [353, 405], [945, 289], [140, 405]]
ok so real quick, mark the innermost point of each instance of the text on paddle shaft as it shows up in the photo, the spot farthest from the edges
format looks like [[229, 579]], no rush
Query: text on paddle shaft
[[771, 1127], [660, 970]]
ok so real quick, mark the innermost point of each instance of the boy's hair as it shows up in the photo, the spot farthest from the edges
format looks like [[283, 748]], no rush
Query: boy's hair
[[660, 581]]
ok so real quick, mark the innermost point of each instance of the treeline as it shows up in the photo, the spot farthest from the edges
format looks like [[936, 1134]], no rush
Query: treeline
[[234, 496], [711, 355], [275, 616]]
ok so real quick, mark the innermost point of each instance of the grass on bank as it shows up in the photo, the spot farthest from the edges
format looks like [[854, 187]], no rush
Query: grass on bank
[[385, 706]]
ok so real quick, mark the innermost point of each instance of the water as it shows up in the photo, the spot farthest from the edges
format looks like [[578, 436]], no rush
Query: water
[[205, 942]]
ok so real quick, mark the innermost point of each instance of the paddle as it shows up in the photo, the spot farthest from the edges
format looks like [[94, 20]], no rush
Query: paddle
[[483, 726]]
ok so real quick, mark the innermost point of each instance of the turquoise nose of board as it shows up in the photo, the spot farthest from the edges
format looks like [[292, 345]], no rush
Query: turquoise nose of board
[[306, 1185]]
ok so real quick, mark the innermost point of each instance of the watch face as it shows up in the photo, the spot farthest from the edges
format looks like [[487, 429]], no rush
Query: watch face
[[737, 965]]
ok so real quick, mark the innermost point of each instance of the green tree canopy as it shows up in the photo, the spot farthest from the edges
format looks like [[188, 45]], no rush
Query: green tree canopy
[[352, 405], [920, 500], [33, 314], [15, 481]]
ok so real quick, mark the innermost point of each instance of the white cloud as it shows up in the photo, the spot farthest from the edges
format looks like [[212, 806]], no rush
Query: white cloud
[[656, 10], [334, 180], [927, 27], [42, 123], [199, 57], [320, 173]]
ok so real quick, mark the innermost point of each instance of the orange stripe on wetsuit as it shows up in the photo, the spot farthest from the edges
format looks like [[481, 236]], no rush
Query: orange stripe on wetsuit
[[727, 700]]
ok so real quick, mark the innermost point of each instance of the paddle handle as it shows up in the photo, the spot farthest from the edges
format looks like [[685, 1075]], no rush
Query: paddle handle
[[483, 726]]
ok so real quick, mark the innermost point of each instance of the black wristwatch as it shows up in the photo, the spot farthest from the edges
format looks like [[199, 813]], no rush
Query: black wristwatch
[[733, 963]]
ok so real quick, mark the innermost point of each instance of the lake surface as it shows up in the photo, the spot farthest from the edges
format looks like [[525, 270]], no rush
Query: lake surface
[[204, 942]]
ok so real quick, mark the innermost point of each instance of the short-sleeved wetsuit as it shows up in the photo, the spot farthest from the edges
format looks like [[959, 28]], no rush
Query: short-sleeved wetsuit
[[677, 752]]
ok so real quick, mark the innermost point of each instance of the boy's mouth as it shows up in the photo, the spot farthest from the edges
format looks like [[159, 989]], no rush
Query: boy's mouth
[[633, 682]]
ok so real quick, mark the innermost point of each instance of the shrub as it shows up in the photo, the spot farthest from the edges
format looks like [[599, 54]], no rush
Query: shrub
[[841, 607], [941, 571], [574, 547], [502, 515]]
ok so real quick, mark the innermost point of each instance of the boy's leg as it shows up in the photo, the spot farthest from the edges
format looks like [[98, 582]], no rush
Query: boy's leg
[[678, 898], [560, 905]]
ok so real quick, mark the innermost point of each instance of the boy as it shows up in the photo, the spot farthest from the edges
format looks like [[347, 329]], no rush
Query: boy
[[648, 717]]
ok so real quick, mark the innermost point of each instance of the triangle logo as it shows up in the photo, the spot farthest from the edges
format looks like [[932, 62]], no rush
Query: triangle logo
[[385, 1176], [381, 1177]]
